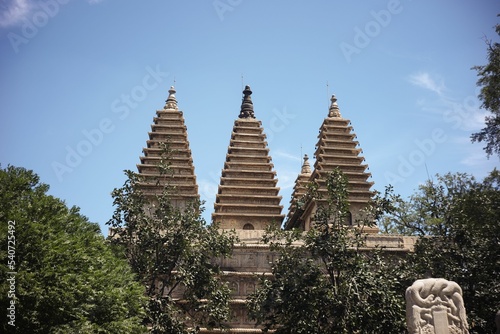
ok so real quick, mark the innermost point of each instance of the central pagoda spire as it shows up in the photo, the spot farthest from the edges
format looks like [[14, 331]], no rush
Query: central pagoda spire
[[248, 196], [247, 104]]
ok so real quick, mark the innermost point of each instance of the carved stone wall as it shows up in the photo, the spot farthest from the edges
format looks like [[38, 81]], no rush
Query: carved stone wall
[[251, 259]]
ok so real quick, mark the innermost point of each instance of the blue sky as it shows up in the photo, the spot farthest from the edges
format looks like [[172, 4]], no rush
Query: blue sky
[[87, 77]]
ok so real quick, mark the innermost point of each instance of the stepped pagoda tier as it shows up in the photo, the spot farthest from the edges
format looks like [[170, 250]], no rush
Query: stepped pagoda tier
[[168, 146], [247, 197], [336, 147], [300, 188]]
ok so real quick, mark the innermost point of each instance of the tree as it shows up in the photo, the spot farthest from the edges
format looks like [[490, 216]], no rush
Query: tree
[[172, 250], [489, 81], [57, 268], [427, 212], [324, 282], [458, 219]]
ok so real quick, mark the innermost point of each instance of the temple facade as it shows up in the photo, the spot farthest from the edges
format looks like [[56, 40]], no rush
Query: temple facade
[[248, 198]]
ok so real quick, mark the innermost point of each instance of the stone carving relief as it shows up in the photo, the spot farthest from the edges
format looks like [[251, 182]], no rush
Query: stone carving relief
[[435, 306], [249, 288], [235, 288], [250, 260]]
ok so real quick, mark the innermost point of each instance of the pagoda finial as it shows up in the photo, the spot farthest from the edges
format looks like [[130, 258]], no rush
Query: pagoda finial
[[306, 168], [247, 104], [334, 107], [171, 102]]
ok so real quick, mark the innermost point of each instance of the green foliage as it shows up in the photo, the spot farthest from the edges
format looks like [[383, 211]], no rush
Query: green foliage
[[489, 81], [428, 211], [324, 282], [462, 240], [172, 250], [68, 278]]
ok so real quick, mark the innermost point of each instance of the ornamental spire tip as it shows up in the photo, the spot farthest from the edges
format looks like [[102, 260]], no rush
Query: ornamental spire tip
[[334, 107], [247, 104], [306, 167], [171, 102]]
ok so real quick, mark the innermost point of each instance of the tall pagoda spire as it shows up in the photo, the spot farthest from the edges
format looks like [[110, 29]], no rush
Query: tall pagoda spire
[[300, 189], [248, 197], [168, 145], [306, 167], [336, 147]]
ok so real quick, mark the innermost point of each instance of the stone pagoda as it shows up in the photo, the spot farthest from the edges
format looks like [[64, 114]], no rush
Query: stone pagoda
[[248, 198], [300, 188], [336, 148], [247, 201], [167, 159]]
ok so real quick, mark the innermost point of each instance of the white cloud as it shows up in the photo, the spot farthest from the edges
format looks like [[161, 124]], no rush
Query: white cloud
[[474, 159], [207, 190], [460, 140], [426, 81], [286, 178], [286, 155], [12, 12], [477, 120], [463, 113]]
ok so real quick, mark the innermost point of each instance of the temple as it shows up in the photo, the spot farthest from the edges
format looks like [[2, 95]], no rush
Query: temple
[[248, 200]]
